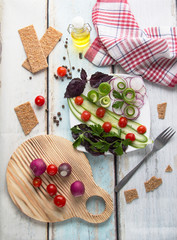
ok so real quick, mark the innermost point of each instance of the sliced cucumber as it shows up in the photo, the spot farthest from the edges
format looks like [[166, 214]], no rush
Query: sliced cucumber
[[109, 117]]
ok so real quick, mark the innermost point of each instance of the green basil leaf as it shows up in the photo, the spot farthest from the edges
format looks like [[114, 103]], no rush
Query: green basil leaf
[[118, 104], [118, 95]]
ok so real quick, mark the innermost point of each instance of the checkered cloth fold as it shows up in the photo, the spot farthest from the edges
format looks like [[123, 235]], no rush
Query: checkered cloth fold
[[150, 52]]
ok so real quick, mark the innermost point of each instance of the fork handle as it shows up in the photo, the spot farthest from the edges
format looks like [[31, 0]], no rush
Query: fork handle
[[130, 174]]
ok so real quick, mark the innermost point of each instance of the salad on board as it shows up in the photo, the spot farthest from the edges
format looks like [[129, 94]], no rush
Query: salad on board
[[107, 113]]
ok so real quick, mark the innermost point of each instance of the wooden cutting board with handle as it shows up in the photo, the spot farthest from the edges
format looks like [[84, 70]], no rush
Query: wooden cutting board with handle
[[36, 202]]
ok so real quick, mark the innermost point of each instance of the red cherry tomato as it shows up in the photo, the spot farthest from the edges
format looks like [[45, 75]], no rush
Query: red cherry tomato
[[52, 169], [61, 71], [51, 189], [39, 100], [60, 201], [122, 122], [37, 182], [141, 129], [107, 126], [78, 100], [130, 136], [85, 116], [100, 112]]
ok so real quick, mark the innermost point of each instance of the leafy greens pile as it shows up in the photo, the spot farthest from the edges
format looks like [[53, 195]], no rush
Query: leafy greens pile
[[96, 141]]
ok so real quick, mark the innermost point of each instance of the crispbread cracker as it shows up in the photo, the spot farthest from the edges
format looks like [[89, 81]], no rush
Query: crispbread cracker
[[168, 169], [32, 46], [131, 195], [48, 42], [152, 184], [161, 108], [26, 117]]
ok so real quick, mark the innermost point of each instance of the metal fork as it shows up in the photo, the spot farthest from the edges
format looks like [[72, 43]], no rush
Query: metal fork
[[159, 143]]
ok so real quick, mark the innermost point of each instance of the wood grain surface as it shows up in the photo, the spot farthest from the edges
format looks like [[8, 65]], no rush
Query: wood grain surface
[[36, 202]]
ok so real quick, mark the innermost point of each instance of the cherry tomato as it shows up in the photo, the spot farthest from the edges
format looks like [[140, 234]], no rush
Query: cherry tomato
[[141, 129], [85, 116], [52, 169], [39, 100], [61, 71], [37, 182], [130, 136], [60, 201], [122, 122], [51, 189], [107, 126], [78, 100], [100, 112]]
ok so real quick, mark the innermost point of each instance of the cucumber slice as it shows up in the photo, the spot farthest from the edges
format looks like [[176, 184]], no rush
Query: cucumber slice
[[104, 88], [105, 101], [93, 96]]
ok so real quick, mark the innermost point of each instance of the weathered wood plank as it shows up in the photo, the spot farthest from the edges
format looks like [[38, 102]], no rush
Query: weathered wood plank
[[60, 15], [153, 215], [16, 88]]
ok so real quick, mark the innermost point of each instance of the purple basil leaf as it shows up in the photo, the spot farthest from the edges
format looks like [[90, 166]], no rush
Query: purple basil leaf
[[99, 77], [83, 75], [75, 88]]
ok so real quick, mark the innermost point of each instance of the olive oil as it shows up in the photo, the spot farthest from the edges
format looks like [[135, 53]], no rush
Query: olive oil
[[80, 32]]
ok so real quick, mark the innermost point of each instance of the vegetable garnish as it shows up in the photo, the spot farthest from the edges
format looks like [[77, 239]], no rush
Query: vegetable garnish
[[52, 169], [100, 112], [130, 136], [107, 126], [141, 129], [76, 86], [38, 166], [64, 169], [60, 201], [96, 141], [104, 88], [37, 182], [128, 95], [122, 122], [77, 189], [105, 101], [85, 116], [61, 71], [39, 101], [51, 189], [93, 96], [99, 77], [78, 100]]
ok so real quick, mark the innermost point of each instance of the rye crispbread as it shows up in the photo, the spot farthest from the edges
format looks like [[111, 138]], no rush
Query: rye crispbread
[[152, 184], [48, 42], [33, 49], [130, 195], [161, 109], [26, 117]]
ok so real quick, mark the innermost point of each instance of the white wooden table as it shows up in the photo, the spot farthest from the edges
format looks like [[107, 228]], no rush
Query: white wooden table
[[153, 215]]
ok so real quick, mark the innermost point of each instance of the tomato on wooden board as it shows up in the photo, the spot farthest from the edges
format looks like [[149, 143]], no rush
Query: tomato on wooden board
[[122, 122], [141, 129], [37, 182], [51, 189], [85, 116], [39, 101], [61, 71], [130, 136], [60, 201], [52, 169], [100, 112], [107, 126], [78, 100]]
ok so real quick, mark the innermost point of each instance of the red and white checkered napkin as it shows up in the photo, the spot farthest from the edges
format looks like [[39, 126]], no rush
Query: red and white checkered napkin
[[151, 52]]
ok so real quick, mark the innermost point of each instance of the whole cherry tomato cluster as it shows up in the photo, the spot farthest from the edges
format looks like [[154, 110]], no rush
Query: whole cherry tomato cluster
[[59, 200]]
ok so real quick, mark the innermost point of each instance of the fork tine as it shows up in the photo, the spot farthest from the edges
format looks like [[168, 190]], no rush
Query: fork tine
[[170, 136], [160, 135], [167, 133]]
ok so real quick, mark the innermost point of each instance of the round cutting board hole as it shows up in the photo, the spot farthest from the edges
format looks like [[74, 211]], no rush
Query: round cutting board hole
[[95, 205]]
